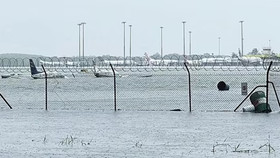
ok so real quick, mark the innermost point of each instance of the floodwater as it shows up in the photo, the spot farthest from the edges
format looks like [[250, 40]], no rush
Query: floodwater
[[86, 133], [81, 122]]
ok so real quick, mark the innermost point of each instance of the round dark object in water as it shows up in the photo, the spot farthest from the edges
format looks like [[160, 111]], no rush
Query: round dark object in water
[[222, 86]]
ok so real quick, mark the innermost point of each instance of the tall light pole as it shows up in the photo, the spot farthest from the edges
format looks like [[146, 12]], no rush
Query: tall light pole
[[190, 44], [161, 42], [79, 41], [184, 39], [123, 42], [130, 44], [242, 37], [83, 52], [219, 38]]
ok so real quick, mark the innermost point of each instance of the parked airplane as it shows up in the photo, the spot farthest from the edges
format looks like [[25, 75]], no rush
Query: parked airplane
[[249, 60], [160, 62], [72, 63], [40, 75], [216, 60], [59, 63], [118, 62], [113, 62], [51, 63]]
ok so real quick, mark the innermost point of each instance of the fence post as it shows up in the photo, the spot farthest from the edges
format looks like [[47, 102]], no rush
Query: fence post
[[267, 81], [115, 88], [190, 96], [266, 86], [46, 88]]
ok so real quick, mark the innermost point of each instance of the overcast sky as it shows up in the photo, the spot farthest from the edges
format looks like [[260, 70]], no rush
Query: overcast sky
[[50, 27]]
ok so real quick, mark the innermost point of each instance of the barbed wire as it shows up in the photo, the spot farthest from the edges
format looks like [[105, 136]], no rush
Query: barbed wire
[[141, 64]]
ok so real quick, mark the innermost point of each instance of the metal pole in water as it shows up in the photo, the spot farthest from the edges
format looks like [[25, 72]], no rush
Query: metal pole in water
[[267, 75], [115, 88], [46, 88], [6, 101]]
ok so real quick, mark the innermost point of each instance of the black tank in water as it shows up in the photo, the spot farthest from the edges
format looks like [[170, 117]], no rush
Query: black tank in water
[[222, 86]]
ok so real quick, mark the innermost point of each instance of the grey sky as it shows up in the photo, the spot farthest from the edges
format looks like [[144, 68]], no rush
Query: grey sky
[[50, 27]]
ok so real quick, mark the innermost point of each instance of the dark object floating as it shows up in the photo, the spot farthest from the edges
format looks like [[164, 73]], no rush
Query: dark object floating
[[222, 86], [10, 75], [146, 75], [176, 110]]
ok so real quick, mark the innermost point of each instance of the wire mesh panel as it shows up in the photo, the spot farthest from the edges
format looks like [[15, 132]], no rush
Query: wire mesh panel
[[152, 90], [136, 90], [22, 93], [274, 77], [139, 87], [82, 92], [207, 97]]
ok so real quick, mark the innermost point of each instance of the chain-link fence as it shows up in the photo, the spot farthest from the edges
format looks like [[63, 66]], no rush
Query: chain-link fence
[[147, 90], [207, 97], [140, 86]]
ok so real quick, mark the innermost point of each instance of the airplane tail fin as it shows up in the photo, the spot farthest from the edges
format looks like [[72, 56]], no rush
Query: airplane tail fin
[[33, 67]]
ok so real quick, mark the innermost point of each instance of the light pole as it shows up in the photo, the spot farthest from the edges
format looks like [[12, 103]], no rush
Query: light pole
[[190, 44], [124, 43], [83, 52], [130, 44], [79, 41], [242, 37], [184, 39], [219, 38], [161, 43]]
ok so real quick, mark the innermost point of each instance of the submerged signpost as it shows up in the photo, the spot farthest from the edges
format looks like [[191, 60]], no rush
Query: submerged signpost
[[244, 88]]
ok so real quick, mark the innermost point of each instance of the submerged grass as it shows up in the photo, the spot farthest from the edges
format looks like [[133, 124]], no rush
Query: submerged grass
[[268, 145], [68, 141], [224, 147]]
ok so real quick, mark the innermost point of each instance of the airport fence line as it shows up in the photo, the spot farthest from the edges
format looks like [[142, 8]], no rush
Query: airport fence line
[[152, 88], [173, 62]]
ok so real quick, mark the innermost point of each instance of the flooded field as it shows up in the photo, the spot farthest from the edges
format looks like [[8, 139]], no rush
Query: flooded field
[[81, 122], [138, 134]]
